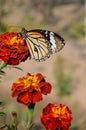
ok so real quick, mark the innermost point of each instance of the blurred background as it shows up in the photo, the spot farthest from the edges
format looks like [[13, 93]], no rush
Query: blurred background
[[66, 70]]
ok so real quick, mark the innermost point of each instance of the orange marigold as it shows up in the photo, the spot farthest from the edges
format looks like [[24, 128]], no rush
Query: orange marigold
[[13, 48], [56, 117], [29, 89]]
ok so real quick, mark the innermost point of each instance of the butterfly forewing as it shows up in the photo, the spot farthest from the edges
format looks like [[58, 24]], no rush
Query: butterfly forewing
[[56, 41], [37, 46], [42, 43]]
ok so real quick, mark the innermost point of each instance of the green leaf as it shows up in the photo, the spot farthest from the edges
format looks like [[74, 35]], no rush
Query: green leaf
[[2, 127], [2, 114], [17, 68], [1, 102], [3, 66], [2, 72], [7, 127], [2, 105]]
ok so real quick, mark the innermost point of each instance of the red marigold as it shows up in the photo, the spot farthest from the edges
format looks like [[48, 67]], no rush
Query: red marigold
[[13, 48], [56, 117], [29, 89]]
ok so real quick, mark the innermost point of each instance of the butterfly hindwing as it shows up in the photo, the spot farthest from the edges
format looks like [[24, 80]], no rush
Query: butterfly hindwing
[[42, 43]]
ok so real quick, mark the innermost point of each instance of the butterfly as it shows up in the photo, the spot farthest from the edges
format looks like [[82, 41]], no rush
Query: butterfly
[[42, 43]]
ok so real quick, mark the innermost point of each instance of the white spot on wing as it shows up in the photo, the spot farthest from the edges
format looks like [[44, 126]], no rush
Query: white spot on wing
[[46, 33], [53, 42]]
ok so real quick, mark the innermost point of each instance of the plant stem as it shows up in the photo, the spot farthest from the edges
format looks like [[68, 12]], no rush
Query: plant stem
[[30, 115]]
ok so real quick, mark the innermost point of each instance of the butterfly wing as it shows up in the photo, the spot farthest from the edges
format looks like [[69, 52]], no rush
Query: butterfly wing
[[42, 43]]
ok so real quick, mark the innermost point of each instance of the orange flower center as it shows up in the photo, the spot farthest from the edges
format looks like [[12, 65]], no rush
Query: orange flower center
[[31, 83], [58, 111], [16, 40]]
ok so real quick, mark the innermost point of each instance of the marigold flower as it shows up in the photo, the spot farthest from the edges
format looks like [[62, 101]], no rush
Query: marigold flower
[[13, 48], [56, 117], [29, 89]]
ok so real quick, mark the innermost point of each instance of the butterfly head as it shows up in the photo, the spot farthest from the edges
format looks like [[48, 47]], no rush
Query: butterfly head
[[23, 32]]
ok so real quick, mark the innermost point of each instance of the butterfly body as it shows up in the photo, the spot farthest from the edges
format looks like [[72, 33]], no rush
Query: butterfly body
[[42, 43]]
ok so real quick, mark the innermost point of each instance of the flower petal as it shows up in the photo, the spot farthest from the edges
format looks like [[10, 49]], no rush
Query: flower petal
[[29, 89], [45, 87], [56, 117], [13, 48], [29, 98]]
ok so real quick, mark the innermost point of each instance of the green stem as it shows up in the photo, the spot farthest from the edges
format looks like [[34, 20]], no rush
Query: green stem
[[30, 115]]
